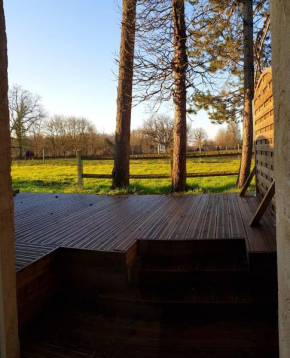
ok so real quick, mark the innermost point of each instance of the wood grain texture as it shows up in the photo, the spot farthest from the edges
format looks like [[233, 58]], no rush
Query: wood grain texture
[[113, 223]]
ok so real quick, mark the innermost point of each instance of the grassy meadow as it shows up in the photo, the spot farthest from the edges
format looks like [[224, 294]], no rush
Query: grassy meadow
[[60, 176]]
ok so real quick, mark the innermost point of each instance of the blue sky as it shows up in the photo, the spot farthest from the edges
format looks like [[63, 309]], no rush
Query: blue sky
[[64, 50]]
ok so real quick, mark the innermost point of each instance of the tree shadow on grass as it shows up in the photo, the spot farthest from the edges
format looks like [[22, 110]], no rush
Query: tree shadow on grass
[[154, 187], [202, 189], [137, 188], [197, 188], [42, 185]]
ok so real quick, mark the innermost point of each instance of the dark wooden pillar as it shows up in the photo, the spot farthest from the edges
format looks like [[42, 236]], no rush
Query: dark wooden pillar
[[9, 343]]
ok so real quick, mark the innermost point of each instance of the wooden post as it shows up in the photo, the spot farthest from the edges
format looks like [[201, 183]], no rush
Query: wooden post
[[80, 168], [280, 33], [9, 342], [43, 156]]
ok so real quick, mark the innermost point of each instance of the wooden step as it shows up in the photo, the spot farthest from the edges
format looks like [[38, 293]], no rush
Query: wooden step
[[188, 272], [204, 301], [192, 248]]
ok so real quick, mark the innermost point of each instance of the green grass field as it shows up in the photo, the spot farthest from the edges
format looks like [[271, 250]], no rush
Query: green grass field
[[60, 176]]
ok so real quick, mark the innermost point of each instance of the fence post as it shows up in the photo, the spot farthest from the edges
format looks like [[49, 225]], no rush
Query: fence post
[[43, 156], [80, 168]]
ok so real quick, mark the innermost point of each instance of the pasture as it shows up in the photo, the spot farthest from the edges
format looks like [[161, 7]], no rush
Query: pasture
[[60, 176]]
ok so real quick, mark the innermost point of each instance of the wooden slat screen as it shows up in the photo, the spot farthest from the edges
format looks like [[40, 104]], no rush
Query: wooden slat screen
[[264, 134]]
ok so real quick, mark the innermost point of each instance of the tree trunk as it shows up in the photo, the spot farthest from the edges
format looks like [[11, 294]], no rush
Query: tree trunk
[[19, 137], [166, 148], [248, 92], [124, 100], [20, 147], [9, 344], [179, 64]]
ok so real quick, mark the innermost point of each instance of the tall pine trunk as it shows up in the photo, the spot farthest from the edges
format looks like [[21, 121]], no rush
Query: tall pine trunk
[[179, 64], [9, 346], [248, 92], [124, 100]]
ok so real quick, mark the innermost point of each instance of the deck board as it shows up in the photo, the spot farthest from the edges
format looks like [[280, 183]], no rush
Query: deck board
[[223, 218], [195, 228], [160, 221], [46, 222], [183, 224], [130, 217], [236, 220], [173, 219], [136, 232], [210, 219]]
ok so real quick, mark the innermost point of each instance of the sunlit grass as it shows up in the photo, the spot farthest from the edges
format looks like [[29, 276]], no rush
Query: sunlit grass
[[60, 176]]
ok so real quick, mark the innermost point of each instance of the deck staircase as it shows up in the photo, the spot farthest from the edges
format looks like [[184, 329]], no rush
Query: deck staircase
[[206, 278]]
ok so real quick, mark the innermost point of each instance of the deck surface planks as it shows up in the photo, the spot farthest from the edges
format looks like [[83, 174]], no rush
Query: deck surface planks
[[223, 218], [236, 221], [196, 225], [136, 231], [44, 222], [120, 230], [105, 229], [183, 224], [159, 222], [210, 220], [26, 254], [172, 221]]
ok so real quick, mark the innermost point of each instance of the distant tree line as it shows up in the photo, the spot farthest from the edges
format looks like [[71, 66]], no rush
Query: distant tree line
[[62, 136]]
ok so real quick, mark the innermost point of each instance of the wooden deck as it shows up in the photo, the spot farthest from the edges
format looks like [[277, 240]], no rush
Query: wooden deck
[[45, 222], [178, 275]]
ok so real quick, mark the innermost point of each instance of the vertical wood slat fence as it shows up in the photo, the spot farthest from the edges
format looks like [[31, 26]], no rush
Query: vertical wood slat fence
[[264, 134]]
